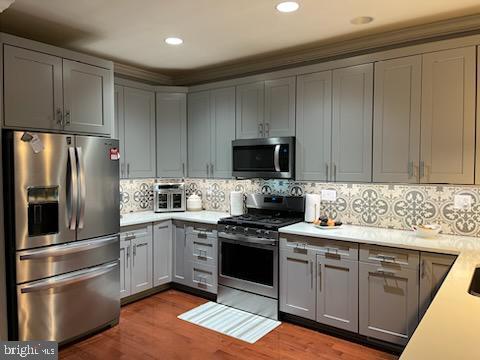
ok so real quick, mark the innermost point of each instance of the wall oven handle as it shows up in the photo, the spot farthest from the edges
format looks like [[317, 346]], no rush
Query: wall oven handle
[[72, 188], [69, 279], [276, 158], [66, 249], [83, 188], [248, 239]]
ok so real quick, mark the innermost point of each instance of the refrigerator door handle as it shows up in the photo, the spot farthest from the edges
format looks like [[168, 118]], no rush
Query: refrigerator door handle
[[68, 279], [83, 189], [72, 189]]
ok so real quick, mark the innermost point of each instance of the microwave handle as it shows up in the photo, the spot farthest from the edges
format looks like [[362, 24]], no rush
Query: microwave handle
[[276, 158]]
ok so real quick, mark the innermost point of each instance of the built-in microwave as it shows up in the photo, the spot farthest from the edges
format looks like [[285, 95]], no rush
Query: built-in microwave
[[268, 158]]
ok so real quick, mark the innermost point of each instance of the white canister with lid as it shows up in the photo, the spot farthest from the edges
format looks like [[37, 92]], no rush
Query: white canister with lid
[[194, 203]]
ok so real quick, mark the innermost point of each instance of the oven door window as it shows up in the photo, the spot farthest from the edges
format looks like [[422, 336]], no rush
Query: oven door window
[[247, 263]]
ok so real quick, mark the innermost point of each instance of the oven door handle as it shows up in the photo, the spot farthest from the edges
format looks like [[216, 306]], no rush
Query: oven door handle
[[247, 239], [276, 158]]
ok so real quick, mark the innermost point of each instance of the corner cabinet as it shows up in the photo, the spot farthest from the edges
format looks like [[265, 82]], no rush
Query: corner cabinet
[[211, 129], [162, 253], [266, 109], [352, 123], [46, 92], [171, 134]]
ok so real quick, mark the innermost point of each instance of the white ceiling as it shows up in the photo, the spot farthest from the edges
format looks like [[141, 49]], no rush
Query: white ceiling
[[214, 31]]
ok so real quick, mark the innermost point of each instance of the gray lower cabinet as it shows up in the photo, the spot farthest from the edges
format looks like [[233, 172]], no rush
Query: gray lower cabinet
[[388, 301], [180, 271], [171, 134], [337, 292], [162, 253], [136, 259], [297, 282], [433, 270]]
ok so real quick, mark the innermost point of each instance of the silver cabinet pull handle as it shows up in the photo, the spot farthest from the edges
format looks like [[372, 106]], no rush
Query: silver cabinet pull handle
[[208, 170], [267, 129], [334, 172], [183, 169], [319, 277], [311, 274], [67, 117], [59, 117], [326, 171], [421, 169], [128, 256], [122, 169], [382, 271], [260, 129], [83, 187], [211, 169], [410, 169], [128, 170]]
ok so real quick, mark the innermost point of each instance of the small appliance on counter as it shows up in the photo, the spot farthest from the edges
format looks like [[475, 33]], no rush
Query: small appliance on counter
[[194, 203], [168, 197], [248, 249]]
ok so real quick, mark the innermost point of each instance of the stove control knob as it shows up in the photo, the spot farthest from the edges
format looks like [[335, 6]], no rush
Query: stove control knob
[[246, 229], [227, 227], [234, 228], [267, 232], [259, 232]]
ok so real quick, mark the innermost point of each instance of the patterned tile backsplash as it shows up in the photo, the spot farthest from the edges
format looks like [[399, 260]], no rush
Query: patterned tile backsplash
[[381, 205]]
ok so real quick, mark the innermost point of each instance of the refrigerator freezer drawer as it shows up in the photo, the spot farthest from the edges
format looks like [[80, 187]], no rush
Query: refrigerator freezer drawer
[[66, 306], [59, 259]]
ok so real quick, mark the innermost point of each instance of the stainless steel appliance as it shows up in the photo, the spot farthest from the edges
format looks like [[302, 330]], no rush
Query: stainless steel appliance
[[270, 158], [62, 223], [169, 197], [248, 252]]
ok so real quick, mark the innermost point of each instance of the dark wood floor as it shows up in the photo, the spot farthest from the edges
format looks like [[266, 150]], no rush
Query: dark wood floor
[[149, 329]]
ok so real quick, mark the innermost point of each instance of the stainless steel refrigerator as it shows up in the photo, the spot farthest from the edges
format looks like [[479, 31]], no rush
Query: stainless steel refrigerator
[[62, 224]]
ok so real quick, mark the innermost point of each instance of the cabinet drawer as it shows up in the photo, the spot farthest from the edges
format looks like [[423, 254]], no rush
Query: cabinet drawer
[[329, 248], [204, 251], [135, 231], [201, 231], [204, 277], [382, 255]]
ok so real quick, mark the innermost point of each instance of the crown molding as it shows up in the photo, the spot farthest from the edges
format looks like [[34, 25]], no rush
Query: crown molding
[[132, 72], [438, 30]]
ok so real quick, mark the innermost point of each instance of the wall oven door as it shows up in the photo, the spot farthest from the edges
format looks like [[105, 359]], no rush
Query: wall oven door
[[248, 264], [264, 158]]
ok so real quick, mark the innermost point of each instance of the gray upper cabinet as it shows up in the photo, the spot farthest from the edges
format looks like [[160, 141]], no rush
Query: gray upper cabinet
[[388, 302], [139, 143], [477, 165], [199, 114], [119, 126], [314, 126], [88, 103], [171, 134], [222, 131], [396, 127], [279, 107], [162, 253], [433, 270], [211, 129], [33, 94], [352, 123], [337, 292], [250, 110], [297, 282], [448, 116]]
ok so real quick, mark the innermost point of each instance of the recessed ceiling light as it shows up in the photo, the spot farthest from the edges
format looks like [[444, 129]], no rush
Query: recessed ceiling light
[[361, 20], [287, 6], [173, 41]]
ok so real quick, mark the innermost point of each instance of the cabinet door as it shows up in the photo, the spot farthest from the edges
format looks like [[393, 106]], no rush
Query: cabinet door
[[142, 260], [33, 94], [171, 135], [139, 133], [125, 267], [314, 126], [388, 302], [180, 274], [250, 110], [119, 126], [337, 293], [87, 98], [448, 117], [162, 253], [223, 131], [396, 121], [352, 123], [433, 270], [280, 107], [199, 133], [297, 285]]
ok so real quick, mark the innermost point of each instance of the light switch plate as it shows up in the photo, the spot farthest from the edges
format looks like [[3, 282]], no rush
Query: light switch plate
[[329, 195], [462, 202]]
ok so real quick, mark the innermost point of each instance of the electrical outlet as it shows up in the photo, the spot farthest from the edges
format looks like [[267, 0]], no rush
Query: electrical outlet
[[329, 195], [462, 202]]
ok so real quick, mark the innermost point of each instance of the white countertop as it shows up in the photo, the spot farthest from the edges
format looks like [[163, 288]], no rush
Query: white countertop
[[142, 217], [451, 327]]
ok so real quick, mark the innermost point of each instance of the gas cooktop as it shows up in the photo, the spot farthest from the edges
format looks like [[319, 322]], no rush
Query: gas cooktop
[[274, 221]]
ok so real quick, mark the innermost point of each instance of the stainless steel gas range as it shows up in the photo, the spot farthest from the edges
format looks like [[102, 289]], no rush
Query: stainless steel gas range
[[248, 252]]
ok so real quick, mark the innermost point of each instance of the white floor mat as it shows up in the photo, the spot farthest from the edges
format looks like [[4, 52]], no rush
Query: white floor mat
[[229, 321]]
